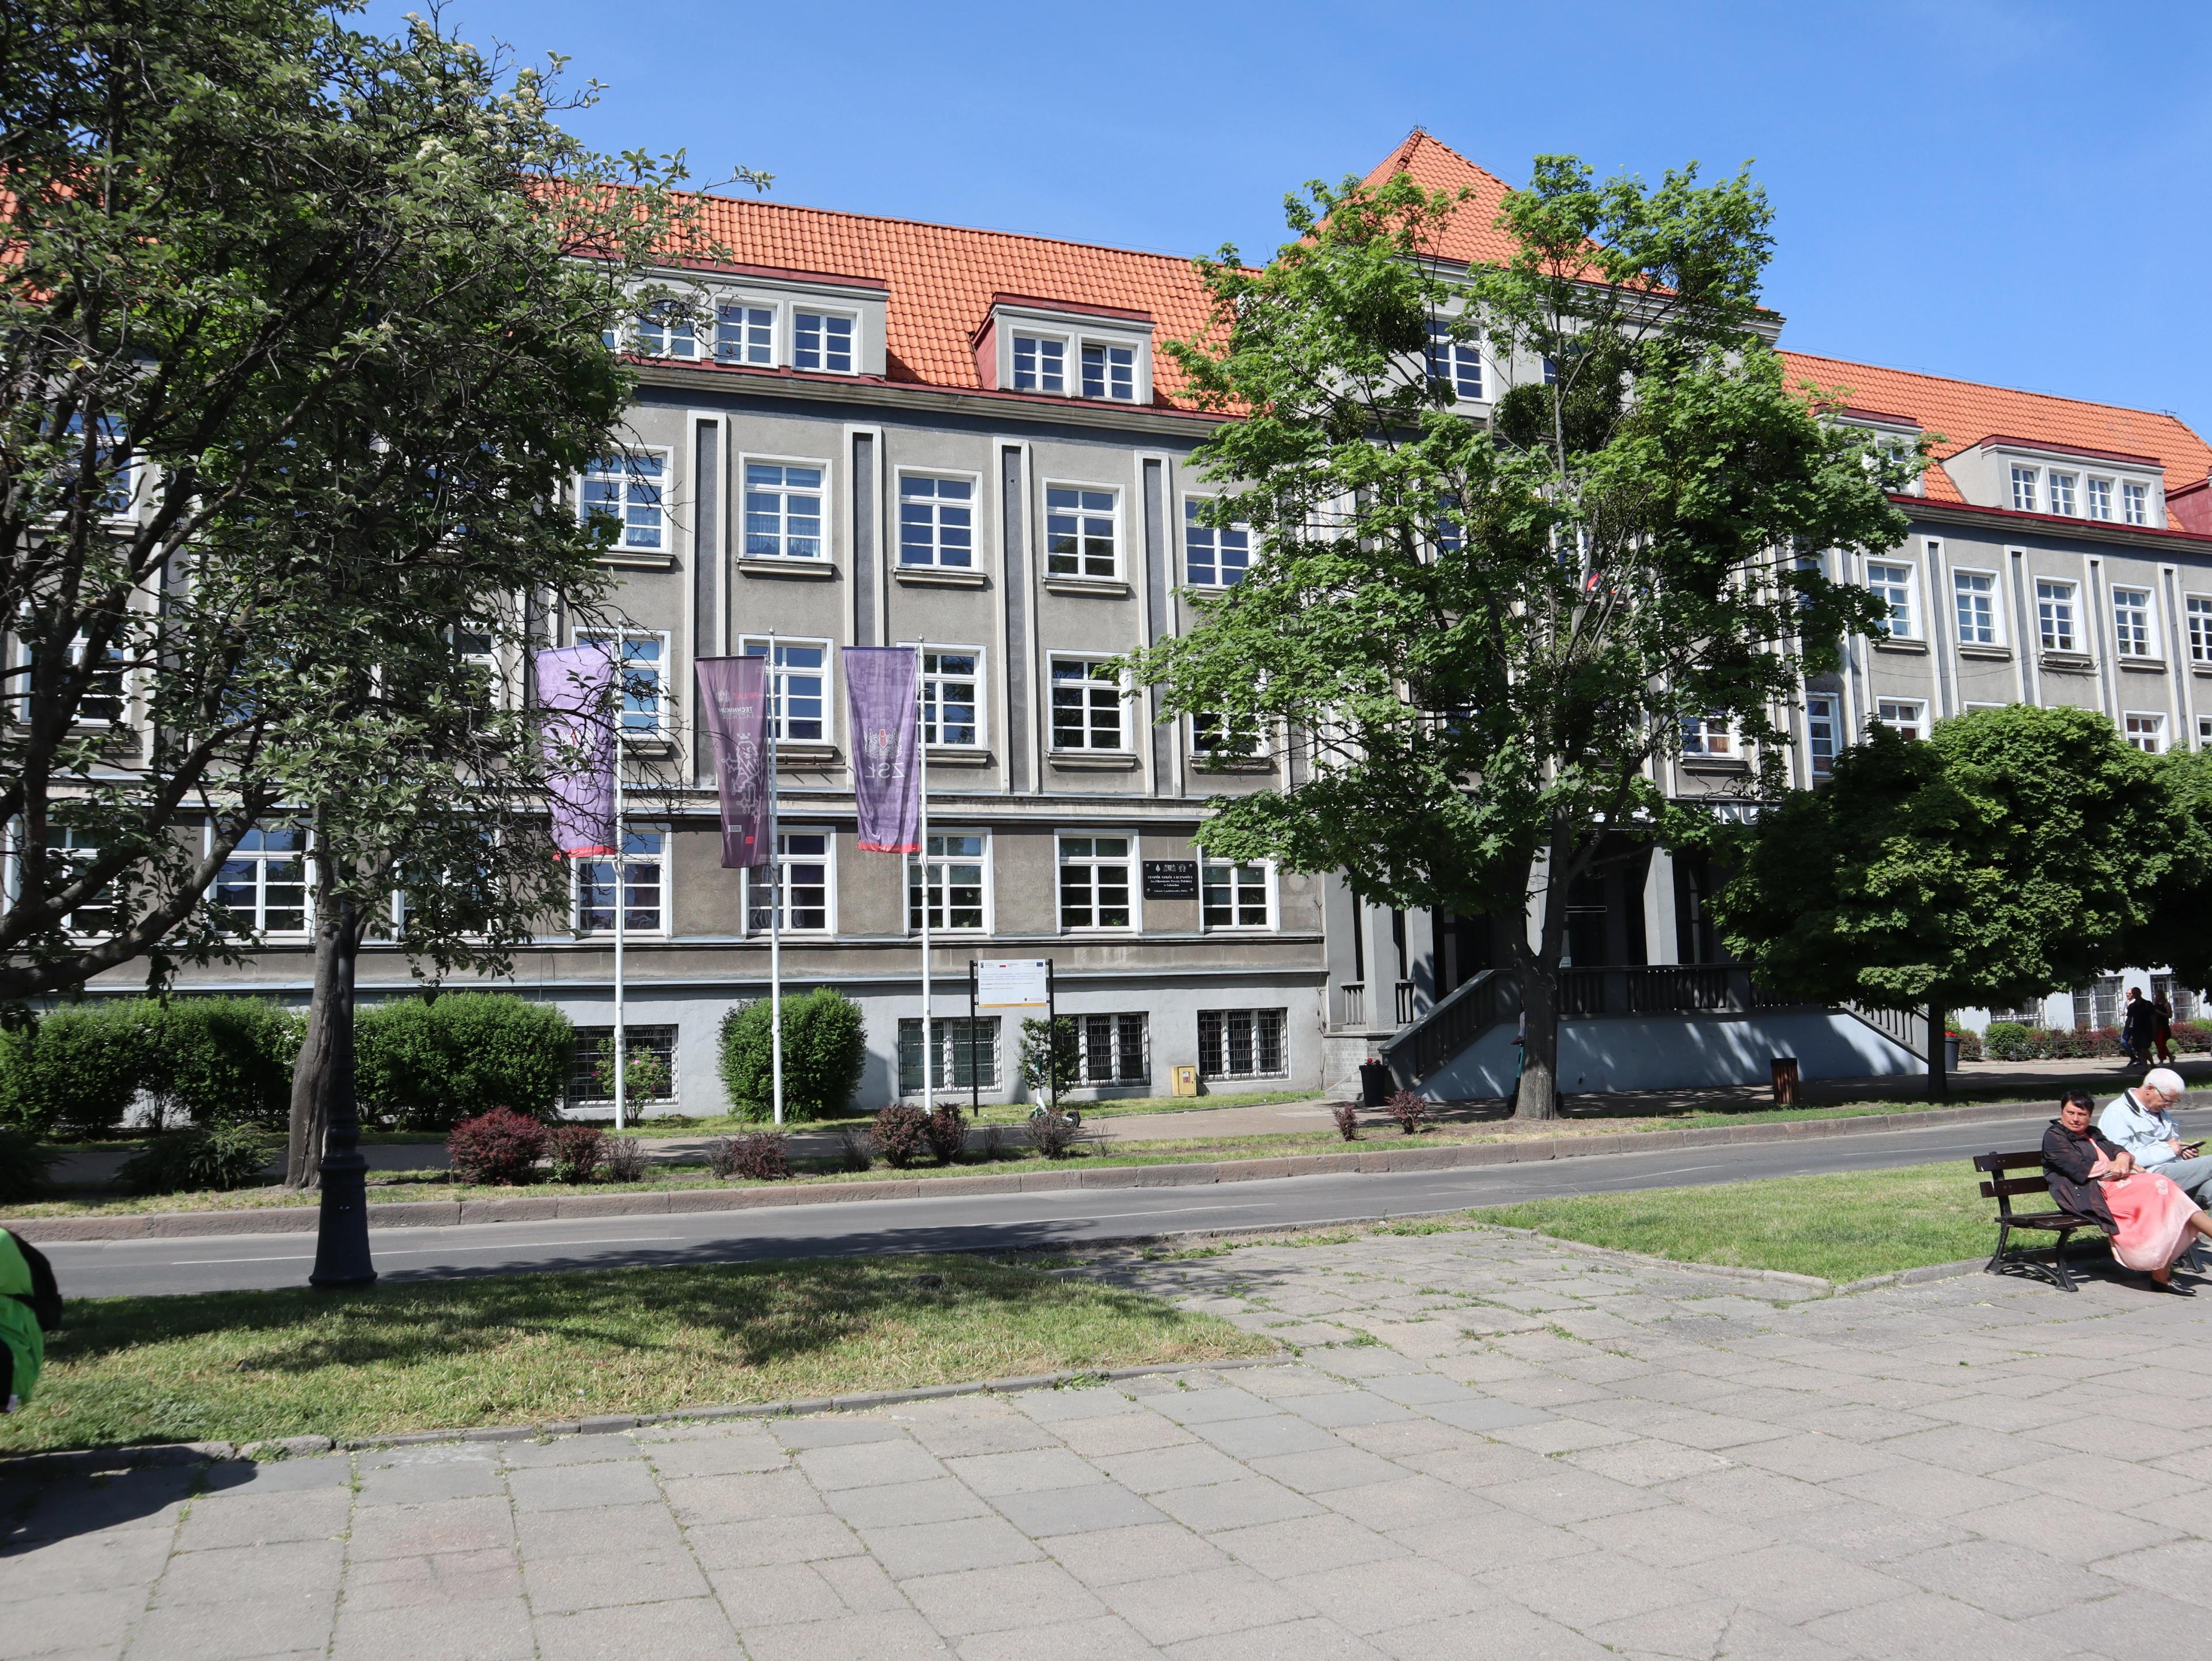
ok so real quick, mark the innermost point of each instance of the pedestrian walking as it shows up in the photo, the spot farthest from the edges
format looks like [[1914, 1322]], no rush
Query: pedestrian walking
[[2164, 1035], [30, 1305], [2138, 1027]]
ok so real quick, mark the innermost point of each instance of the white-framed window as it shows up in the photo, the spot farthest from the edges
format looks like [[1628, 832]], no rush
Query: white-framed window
[[122, 473], [953, 697], [592, 1070], [797, 687], [644, 887], [1242, 1044], [664, 329], [1974, 598], [102, 703], [966, 1054], [1221, 738], [2200, 628], [629, 489], [1907, 717], [1213, 557], [1109, 371], [1823, 731], [783, 509], [822, 340], [68, 850], [936, 521], [1234, 895], [1039, 364], [1097, 882], [2204, 732], [953, 875], [1454, 364], [644, 670], [1708, 734], [2023, 489], [1892, 584], [2143, 730], [2060, 487], [1081, 532], [2058, 606], [2134, 503], [1086, 704], [2132, 635], [262, 888], [802, 889], [2098, 495], [1113, 1049], [744, 333]]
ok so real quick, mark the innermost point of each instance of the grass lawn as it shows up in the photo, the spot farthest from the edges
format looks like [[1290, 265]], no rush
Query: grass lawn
[[1841, 1227], [509, 1349]]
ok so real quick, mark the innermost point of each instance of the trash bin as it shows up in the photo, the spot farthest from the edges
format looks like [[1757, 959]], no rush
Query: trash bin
[[1950, 1052], [1375, 1083], [1785, 1081]]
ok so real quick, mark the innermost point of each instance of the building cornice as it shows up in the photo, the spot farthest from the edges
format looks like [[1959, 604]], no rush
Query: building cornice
[[2012, 523]]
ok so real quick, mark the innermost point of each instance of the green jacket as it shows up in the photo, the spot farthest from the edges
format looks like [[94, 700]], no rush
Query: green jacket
[[18, 1327]]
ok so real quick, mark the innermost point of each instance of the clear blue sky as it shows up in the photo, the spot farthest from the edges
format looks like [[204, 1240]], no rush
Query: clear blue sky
[[2011, 191]]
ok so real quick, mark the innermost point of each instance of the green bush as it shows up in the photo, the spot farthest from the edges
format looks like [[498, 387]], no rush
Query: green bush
[[825, 1050], [76, 1069], [217, 1156], [22, 1167], [428, 1066], [226, 1060], [2006, 1041]]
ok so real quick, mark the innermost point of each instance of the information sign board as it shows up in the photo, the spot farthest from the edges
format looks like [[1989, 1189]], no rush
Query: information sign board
[[1013, 982]]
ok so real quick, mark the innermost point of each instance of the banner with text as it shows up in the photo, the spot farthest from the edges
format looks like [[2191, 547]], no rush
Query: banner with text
[[879, 693], [733, 703], [574, 686]]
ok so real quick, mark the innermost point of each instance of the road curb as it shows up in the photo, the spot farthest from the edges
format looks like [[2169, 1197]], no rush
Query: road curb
[[1370, 1161]]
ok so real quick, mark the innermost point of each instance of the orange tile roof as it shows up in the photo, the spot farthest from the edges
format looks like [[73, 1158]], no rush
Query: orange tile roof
[[942, 279], [1965, 412], [1472, 235]]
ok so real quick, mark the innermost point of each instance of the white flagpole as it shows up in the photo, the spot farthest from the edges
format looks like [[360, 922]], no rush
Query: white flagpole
[[621, 897], [775, 901], [921, 790]]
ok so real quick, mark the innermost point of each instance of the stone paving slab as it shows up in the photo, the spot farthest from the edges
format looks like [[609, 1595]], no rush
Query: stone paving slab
[[1485, 1447]]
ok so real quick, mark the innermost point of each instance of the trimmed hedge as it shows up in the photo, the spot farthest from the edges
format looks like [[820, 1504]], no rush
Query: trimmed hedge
[[76, 1070], [428, 1065], [226, 1060], [825, 1050]]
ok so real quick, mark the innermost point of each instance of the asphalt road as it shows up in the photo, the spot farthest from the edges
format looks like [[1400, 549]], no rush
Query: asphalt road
[[968, 1222]]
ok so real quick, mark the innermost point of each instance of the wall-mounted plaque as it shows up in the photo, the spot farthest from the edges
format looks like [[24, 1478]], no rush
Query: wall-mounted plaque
[[1170, 879]]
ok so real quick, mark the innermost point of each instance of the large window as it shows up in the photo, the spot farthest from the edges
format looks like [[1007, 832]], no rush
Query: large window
[[665, 329], [644, 663], [2099, 497], [1113, 1049], [2135, 503], [2060, 486], [68, 851], [1086, 704], [949, 873], [745, 334], [1079, 533], [1234, 896], [628, 490], [822, 340], [797, 687], [1039, 364], [1893, 586], [1708, 734], [591, 1065], [1907, 717], [1095, 884], [262, 888], [783, 511], [965, 1054], [1242, 1044], [1214, 557], [2145, 732], [108, 457], [1454, 364], [1974, 594], [644, 855], [951, 698], [2131, 624], [1217, 738], [2056, 605], [2200, 629], [1109, 371], [1822, 725], [2023, 489], [800, 889], [937, 523]]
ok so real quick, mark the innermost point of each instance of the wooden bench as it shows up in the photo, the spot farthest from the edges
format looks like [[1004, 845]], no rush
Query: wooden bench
[[2009, 1259]]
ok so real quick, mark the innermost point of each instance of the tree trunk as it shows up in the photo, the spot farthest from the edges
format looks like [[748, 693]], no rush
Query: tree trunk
[[1939, 1081], [1538, 1097], [325, 1063]]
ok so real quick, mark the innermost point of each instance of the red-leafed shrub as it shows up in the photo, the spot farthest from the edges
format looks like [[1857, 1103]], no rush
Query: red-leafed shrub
[[948, 1132], [901, 1134], [1411, 1112], [761, 1157], [1348, 1121], [575, 1151], [502, 1146]]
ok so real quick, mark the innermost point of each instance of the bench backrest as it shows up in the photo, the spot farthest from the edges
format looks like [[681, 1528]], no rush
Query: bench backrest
[[1999, 1187]]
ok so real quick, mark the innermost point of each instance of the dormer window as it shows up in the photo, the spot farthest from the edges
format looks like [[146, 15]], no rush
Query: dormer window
[[2099, 498], [745, 334], [1109, 371], [2023, 489], [1039, 364], [2136, 503], [822, 340], [2061, 493]]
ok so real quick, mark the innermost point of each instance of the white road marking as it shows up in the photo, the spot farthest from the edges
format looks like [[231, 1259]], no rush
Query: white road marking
[[419, 1251]]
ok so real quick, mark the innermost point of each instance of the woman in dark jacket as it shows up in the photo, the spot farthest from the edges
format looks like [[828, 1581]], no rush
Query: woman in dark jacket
[[2070, 1151], [2149, 1220]]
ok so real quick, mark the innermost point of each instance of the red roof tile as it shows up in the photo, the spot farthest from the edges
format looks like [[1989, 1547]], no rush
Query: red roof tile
[[1472, 236]]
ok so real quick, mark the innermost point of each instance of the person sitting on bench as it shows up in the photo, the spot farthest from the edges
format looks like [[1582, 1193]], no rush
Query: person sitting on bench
[[2149, 1221], [2142, 1121]]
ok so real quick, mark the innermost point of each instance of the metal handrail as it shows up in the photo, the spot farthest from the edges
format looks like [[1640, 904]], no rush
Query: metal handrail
[[1452, 1023]]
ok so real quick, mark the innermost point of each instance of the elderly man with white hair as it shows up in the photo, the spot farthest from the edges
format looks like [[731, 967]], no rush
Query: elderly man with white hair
[[2141, 1122]]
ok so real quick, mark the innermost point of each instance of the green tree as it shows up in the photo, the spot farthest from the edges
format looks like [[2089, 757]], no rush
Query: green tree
[[1480, 637], [2006, 855], [2174, 924]]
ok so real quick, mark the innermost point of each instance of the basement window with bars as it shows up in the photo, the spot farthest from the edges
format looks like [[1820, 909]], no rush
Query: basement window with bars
[[1114, 1049], [1242, 1044], [961, 1057], [591, 1067]]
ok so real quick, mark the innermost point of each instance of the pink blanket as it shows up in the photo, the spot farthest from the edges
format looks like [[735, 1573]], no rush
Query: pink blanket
[[2152, 1215]]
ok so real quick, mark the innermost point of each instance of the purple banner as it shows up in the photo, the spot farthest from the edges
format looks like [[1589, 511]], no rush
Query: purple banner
[[733, 707], [574, 683], [879, 692]]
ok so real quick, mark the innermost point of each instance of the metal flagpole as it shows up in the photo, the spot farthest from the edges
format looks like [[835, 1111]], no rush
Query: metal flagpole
[[774, 904], [921, 790], [621, 896]]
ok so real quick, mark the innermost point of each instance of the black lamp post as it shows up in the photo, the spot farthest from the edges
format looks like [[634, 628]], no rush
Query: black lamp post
[[342, 1257]]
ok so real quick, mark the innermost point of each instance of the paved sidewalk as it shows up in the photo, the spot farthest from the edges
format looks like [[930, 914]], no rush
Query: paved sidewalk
[[1489, 1448]]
